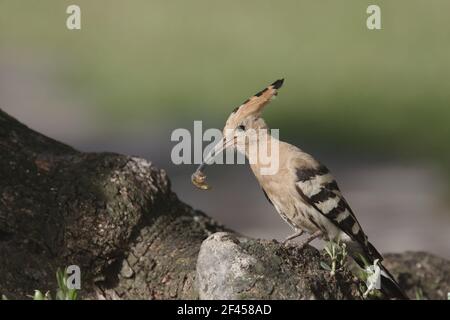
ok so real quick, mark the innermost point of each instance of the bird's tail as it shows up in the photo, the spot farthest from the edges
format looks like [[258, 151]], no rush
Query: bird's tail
[[389, 286]]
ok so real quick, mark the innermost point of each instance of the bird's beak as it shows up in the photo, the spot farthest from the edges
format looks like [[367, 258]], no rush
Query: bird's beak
[[199, 177], [218, 148]]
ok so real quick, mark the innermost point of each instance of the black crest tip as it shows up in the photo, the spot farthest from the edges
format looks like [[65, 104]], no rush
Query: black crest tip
[[277, 84]]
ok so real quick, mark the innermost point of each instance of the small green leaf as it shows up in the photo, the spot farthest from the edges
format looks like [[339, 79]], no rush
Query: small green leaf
[[327, 249], [60, 278], [419, 294], [364, 260], [72, 295], [325, 266], [60, 295], [38, 295]]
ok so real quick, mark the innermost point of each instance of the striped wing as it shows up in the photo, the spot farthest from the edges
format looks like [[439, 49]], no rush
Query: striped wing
[[319, 189]]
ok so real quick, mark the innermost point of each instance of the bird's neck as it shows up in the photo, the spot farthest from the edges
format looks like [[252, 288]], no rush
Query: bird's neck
[[263, 154]]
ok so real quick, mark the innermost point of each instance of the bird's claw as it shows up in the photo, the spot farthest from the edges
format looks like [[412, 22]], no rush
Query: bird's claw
[[292, 237]]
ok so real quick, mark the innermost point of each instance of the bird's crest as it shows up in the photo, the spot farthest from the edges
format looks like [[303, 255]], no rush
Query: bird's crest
[[255, 104]]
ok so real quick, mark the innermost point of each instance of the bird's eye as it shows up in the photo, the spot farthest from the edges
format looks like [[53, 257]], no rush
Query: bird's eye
[[241, 127]]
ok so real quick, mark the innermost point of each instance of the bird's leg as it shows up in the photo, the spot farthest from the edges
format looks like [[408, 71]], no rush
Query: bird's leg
[[310, 238], [293, 236]]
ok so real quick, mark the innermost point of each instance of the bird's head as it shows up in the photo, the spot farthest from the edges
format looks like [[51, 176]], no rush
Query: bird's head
[[241, 127]]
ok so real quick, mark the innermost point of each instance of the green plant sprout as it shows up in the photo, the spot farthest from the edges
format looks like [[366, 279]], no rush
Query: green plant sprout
[[369, 275], [62, 293], [38, 295], [419, 294], [337, 253]]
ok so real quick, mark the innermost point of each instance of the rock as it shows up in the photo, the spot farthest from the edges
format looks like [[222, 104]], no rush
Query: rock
[[232, 267], [422, 275]]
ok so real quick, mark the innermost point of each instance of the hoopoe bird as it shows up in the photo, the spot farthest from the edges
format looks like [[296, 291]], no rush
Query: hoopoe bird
[[302, 190]]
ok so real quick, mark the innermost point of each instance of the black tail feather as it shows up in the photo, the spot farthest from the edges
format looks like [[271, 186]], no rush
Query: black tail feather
[[389, 286]]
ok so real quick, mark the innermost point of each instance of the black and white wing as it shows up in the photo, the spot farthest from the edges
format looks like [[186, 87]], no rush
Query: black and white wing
[[319, 189]]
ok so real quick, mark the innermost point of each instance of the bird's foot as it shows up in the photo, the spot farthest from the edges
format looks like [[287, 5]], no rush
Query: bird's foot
[[292, 236], [309, 239]]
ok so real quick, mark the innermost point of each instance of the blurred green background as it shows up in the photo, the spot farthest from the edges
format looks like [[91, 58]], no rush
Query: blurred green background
[[385, 91], [372, 105]]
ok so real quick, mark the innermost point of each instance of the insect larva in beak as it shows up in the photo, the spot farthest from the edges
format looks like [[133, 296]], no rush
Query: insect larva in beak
[[198, 179]]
